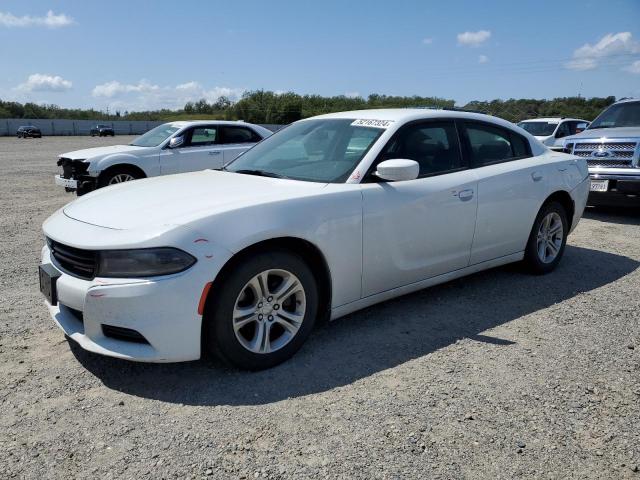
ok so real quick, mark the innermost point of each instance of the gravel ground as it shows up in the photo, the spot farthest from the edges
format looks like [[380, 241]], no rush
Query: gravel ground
[[498, 375]]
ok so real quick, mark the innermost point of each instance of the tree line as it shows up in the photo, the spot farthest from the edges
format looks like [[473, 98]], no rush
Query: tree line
[[260, 106]]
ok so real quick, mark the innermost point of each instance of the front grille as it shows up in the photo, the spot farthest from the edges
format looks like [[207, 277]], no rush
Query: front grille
[[78, 262], [609, 145], [72, 168], [606, 154], [609, 163]]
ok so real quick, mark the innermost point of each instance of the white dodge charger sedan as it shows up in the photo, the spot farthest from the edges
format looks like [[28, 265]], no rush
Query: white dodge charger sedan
[[175, 147], [325, 217]]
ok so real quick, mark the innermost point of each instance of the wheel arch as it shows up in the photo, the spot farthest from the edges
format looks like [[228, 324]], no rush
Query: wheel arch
[[563, 198], [310, 254], [124, 167]]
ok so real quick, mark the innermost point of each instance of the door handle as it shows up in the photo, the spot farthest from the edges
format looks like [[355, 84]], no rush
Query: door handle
[[562, 169], [214, 153], [537, 176], [465, 195]]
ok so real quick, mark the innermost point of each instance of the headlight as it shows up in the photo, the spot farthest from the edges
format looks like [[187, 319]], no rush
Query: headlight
[[143, 262]]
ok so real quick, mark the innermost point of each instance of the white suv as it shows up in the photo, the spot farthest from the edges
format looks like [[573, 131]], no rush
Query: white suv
[[174, 147], [551, 131]]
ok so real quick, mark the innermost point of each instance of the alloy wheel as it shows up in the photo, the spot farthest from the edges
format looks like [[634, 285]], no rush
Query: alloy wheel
[[121, 177], [550, 237], [269, 311]]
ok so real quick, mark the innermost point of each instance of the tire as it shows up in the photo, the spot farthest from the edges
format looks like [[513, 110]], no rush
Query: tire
[[118, 175], [547, 240], [240, 341]]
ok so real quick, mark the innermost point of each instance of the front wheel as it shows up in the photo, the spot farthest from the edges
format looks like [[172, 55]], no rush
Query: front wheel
[[119, 175], [264, 311], [548, 239]]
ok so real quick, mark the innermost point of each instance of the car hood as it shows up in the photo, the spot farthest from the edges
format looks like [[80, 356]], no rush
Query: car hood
[[89, 153], [178, 199], [622, 132]]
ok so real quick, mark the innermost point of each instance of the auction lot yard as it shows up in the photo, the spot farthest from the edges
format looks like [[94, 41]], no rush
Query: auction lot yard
[[498, 375]]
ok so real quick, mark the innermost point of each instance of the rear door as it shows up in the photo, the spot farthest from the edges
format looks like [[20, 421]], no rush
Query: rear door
[[236, 139], [200, 150], [421, 228], [511, 188]]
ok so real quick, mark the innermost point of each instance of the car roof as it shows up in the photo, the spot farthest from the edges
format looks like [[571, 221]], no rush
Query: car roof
[[627, 100], [555, 119], [185, 123], [404, 115]]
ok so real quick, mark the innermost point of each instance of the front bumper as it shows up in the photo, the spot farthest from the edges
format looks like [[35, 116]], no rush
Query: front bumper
[[163, 310], [70, 183], [619, 185]]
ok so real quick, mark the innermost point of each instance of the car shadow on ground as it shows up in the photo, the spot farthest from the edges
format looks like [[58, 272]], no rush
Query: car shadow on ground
[[624, 215], [374, 339]]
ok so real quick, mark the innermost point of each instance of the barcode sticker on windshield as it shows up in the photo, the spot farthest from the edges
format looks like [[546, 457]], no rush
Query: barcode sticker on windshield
[[372, 123]]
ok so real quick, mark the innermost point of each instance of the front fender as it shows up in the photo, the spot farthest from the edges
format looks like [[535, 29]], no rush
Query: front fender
[[149, 164], [332, 223]]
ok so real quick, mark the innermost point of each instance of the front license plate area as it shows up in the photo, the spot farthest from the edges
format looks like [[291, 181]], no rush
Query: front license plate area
[[48, 279], [599, 185], [66, 182]]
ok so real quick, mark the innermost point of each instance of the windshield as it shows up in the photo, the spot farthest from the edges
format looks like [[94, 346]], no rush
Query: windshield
[[539, 129], [155, 136], [311, 150], [619, 115]]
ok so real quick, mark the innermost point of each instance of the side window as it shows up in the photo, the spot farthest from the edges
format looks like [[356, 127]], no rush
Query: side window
[[490, 144], [239, 135], [434, 145], [201, 136], [563, 130]]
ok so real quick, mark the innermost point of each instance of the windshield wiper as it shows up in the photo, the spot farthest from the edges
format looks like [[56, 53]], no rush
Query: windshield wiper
[[259, 173]]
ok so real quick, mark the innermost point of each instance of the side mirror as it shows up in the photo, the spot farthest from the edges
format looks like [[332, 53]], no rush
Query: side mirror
[[398, 170], [175, 142]]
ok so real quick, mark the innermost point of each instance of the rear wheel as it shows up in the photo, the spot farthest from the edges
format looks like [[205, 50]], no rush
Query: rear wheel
[[548, 239], [264, 311]]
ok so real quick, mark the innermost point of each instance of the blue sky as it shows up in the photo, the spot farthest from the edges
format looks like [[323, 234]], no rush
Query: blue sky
[[133, 55]]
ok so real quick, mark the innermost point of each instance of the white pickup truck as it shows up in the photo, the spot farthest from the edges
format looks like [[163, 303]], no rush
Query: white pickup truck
[[174, 147], [611, 147], [552, 131]]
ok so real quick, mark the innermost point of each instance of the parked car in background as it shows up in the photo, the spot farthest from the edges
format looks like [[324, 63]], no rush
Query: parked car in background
[[552, 131], [611, 146], [102, 131], [29, 131], [325, 217], [174, 147]]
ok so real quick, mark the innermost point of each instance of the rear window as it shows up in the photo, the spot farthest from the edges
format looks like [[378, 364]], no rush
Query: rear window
[[490, 144]]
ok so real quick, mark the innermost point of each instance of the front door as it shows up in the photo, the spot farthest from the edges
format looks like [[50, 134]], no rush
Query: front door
[[418, 229]]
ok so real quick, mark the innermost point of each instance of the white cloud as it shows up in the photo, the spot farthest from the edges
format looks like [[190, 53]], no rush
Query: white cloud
[[144, 95], [427, 41], [113, 88], [633, 68], [588, 56], [483, 59], [473, 39], [51, 20], [352, 94], [40, 82]]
